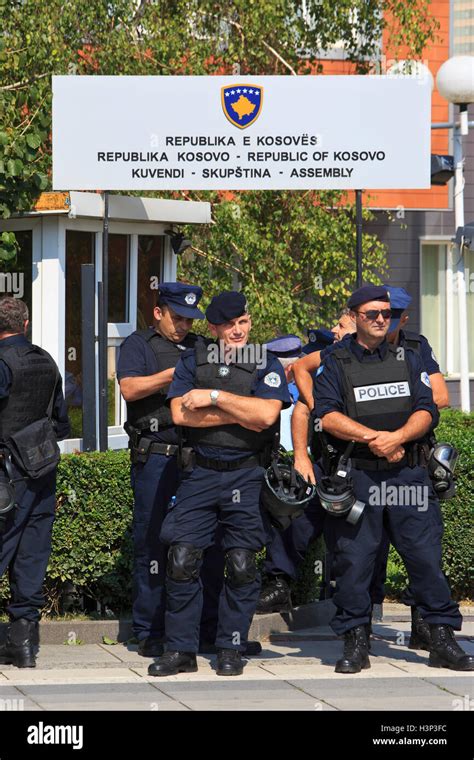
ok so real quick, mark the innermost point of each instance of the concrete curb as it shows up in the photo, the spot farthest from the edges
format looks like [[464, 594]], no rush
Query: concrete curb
[[93, 631], [263, 627]]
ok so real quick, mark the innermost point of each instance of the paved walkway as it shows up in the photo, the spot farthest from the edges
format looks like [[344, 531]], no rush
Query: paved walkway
[[294, 672]]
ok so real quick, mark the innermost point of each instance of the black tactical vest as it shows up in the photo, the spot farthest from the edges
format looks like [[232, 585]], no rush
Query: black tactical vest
[[34, 376], [141, 413], [236, 378], [377, 394]]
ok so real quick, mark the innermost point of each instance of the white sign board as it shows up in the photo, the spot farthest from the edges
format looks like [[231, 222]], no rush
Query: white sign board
[[240, 133]]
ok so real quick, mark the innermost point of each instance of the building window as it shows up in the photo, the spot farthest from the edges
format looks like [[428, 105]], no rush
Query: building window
[[463, 28], [79, 250], [150, 267], [439, 303]]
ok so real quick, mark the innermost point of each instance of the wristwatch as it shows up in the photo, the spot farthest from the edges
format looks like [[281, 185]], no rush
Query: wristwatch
[[214, 396]]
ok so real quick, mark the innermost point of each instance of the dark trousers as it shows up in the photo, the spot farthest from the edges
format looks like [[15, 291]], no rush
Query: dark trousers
[[154, 483], [25, 546], [414, 527], [206, 498]]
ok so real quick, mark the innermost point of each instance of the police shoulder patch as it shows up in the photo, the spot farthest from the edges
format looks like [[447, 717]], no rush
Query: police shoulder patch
[[273, 379], [425, 379]]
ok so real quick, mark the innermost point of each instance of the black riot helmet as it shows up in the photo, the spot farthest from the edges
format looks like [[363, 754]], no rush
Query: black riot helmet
[[441, 466], [285, 493], [336, 491]]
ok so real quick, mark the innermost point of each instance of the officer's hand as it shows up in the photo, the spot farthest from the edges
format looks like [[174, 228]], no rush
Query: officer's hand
[[397, 455], [196, 399], [304, 466], [289, 373], [385, 443]]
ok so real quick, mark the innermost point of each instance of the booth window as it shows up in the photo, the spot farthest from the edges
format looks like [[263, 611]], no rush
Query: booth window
[[150, 267], [119, 272], [79, 250]]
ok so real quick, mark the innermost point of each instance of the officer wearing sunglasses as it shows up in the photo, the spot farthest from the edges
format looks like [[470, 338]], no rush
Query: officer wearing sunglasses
[[371, 392]]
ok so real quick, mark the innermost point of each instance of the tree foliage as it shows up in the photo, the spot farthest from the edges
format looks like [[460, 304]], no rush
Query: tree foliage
[[44, 37], [291, 252]]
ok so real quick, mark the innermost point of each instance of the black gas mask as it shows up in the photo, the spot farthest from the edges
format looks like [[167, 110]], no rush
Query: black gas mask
[[441, 464]]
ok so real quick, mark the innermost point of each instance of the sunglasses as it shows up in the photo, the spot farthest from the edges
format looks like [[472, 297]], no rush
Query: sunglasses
[[373, 314]]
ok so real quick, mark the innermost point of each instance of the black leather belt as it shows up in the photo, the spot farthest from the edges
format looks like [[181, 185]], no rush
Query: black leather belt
[[374, 465], [253, 460], [168, 449]]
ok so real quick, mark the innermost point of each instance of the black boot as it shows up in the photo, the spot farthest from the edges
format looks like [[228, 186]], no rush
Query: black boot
[[172, 663], [229, 663], [356, 651], [275, 596], [445, 650], [150, 647], [420, 637], [22, 644]]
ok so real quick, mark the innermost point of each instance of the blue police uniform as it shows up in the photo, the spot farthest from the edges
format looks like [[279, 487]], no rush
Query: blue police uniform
[[155, 479], [399, 302], [25, 545], [224, 485], [415, 532]]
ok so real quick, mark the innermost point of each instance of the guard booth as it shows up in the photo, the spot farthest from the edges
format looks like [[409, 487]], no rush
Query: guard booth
[[61, 233]]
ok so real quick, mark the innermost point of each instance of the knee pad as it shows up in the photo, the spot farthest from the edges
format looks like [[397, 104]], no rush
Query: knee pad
[[241, 567], [184, 562]]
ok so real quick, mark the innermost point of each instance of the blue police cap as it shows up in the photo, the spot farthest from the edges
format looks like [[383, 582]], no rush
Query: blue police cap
[[285, 346], [399, 301], [318, 340], [226, 306], [182, 298], [368, 293]]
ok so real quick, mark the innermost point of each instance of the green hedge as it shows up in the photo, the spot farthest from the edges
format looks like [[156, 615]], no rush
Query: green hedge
[[92, 544], [92, 548], [456, 428]]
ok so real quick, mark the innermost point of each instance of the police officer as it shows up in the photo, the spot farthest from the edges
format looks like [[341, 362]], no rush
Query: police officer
[[369, 393], [229, 398], [33, 416], [399, 302], [145, 370]]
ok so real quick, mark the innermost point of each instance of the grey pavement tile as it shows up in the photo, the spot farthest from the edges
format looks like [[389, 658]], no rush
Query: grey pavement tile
[[100, 696], [360, 687], [63, 655], [15, 700], [239, 695], [459, 686], [392, 704]]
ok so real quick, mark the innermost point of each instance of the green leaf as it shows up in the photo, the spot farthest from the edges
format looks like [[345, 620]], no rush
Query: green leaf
[[33, 140], [109, 642]]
